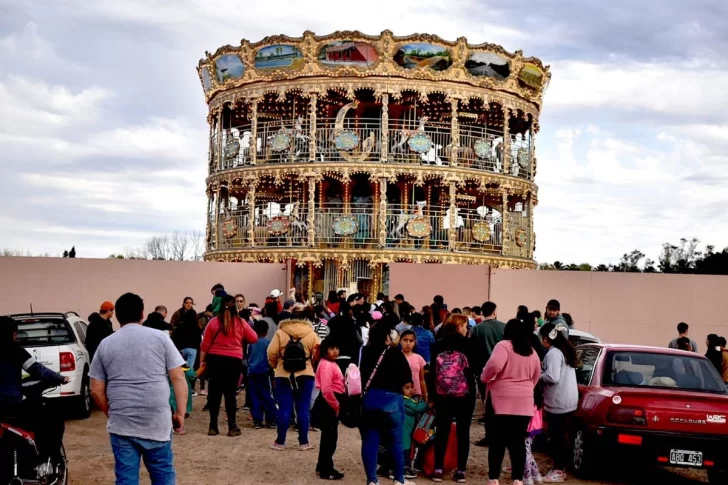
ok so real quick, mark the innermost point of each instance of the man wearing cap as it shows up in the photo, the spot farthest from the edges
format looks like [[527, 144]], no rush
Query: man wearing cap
[[99, 327], [553, 314], [275, 296]]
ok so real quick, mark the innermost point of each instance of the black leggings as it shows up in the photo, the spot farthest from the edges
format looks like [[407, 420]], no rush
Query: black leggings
[[224, 373], [508, 431], [447, 408], [328, 424], [558, 433]]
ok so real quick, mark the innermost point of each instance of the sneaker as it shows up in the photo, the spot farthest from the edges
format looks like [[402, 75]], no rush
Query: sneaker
[[537, 479], [518, 482], [203, 392], [332, 475], [554, 476], [406, 482], [212, 432], [410, 473], [257, 425], [373, 483], [234, 432], [493, 482], [305, 447], [459, 477], [277, 447], [437, 476], [312, 429], [194, 394]]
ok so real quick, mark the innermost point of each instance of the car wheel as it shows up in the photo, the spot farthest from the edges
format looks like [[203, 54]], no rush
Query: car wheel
[[83, 406], [582, 461], [717, 477]]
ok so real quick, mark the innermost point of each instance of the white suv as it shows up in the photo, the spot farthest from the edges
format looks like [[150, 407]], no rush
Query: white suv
[[57, 340]]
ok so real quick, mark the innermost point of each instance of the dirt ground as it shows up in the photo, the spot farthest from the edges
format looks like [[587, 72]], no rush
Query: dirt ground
[[219, 460]]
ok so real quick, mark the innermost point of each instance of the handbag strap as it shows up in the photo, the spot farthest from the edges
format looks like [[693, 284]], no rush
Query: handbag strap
[[371, 376]]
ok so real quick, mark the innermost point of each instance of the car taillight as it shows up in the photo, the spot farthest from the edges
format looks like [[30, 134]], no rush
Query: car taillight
[[68, 361], [627, 415]]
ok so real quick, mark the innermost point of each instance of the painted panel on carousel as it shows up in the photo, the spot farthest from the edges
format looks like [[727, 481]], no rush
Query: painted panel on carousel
[[279, 56], [206, 80], [411, 56], [348, 53], [531, 76], [229, 66], [488, 64]]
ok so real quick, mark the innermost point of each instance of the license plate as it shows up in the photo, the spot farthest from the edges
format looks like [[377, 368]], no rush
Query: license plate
[[687, 458]]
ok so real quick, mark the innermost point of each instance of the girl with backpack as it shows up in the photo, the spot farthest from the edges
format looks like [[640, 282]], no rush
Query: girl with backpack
[[290, 353], [511, 375], [453, 393]]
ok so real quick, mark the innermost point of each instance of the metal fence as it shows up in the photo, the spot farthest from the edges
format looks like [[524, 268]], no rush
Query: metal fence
[[359, 139]]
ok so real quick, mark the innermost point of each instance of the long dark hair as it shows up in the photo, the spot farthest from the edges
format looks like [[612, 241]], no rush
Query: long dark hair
[[520, 337], [229, 314], [522, 313], [333, 297], [715, 356], [558, 339]]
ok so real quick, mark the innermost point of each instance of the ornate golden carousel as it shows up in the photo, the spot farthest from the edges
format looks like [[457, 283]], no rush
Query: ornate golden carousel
[[346, 152]]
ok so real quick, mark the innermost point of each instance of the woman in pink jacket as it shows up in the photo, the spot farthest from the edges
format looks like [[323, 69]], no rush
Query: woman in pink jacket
[[511, 374], [222, 352]]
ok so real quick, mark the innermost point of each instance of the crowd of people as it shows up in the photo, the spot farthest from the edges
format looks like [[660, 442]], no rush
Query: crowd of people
[[716, 352], [417, 377]]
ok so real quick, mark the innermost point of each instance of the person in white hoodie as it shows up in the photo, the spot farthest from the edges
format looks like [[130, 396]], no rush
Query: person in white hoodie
[[561, 395]]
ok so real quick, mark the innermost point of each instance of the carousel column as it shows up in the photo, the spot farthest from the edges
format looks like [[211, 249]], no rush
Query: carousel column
[[312, 131], [254, 132], [531, 152], [531, 236], [214, 230], [251, 215], [310, 281], [347, 208], [311, 210], [452, 230], [506, 141], [220, 154], [454, 133], [382, 212], [384, 152], [505, 237], [211, 145]]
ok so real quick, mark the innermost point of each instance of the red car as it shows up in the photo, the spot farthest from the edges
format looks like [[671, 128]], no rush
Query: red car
[[664, 407]]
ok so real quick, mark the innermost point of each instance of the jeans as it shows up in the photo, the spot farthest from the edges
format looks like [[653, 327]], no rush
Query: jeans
[[189, 355], [447, 408], [224, 373], [157, 456], [328, 423], [262, 403], [509, 431], [382, 421], [287, 397], [557, 426]]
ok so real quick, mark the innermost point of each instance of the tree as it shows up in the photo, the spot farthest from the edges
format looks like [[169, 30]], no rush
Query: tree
[[65, 254], [72, 252], [712, 262], [681, 258], [179, 246], [602, 268], [630, 262]]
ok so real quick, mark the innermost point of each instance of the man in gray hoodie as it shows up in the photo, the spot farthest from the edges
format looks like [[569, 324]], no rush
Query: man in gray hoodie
[[553, 315]]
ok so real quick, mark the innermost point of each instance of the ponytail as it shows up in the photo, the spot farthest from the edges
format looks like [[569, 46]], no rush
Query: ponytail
[[556, 336]]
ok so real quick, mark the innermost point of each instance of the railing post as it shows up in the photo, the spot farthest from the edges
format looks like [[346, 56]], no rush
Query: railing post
[[254, 132], [382, 212], [454, 133], [452, 230], [311, 211], [506, 141], [531, 153], [529, 252], [312, 132], [220, 154], [216, 203], [504, 224], [251, 215], [384, 152]]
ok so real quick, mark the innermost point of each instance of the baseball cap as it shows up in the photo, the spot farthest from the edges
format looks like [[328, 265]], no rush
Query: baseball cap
[[107, 306], [275, 293], [554, 304]]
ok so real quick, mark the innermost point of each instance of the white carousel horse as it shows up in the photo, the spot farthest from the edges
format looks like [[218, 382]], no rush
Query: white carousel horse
[[431, 156], [403, 218], [405, 135], [459, 221], [299, 228]]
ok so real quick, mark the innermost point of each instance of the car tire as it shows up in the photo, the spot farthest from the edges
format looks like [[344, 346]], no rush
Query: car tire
[[717, 477], [82, 408], [582, 455]]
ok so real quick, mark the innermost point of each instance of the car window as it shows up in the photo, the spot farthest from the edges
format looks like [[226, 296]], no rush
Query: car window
[[656, 370], [81, 330], [586, 359], [44, 333]]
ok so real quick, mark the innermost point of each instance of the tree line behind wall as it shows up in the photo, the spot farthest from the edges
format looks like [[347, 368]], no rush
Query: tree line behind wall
[[681, 258]]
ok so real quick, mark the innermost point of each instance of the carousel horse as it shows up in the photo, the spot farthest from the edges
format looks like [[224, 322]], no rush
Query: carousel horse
[[431, 156], [300, 140], [399, 230], [299, 228], [405, 135]]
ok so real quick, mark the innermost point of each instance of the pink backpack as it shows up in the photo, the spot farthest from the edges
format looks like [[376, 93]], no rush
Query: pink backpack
[[353, 380], [450, 369]]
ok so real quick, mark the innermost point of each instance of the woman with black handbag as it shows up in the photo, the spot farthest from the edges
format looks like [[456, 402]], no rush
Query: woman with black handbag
[[385, 371]]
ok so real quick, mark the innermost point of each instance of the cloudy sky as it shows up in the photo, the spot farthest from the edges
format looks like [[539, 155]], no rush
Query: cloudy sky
[[103, 132]]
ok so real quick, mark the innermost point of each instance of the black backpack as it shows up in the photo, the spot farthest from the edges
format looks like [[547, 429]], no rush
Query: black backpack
[[294, 356]]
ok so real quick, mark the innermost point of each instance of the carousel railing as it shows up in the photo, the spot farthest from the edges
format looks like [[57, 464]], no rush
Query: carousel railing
[[356, 227], [413, 226], [232, 229], [281, 225], [478, 230], [361, 140]]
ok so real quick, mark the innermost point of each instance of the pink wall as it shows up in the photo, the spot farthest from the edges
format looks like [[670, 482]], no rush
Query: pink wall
[[617, 307], [81, 285]]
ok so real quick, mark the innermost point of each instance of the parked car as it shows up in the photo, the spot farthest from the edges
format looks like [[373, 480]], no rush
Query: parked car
[[57, 340], [579, 337], [665, 407]]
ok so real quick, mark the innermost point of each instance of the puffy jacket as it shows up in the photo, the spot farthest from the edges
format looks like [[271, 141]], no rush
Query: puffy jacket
[[298, 329]]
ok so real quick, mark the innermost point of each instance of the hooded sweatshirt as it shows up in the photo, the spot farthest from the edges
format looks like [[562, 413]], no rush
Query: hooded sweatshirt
[[297, 329], [561, 394]]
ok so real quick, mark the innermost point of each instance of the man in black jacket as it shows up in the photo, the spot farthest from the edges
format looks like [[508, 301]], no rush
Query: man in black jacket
[[156, 320], [99, 327]]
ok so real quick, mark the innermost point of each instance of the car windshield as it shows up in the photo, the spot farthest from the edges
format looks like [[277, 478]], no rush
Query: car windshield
[[44, 333], [655, 370]]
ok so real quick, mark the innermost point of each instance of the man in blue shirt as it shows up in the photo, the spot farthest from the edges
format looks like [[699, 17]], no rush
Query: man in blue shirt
[[425, 338]]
